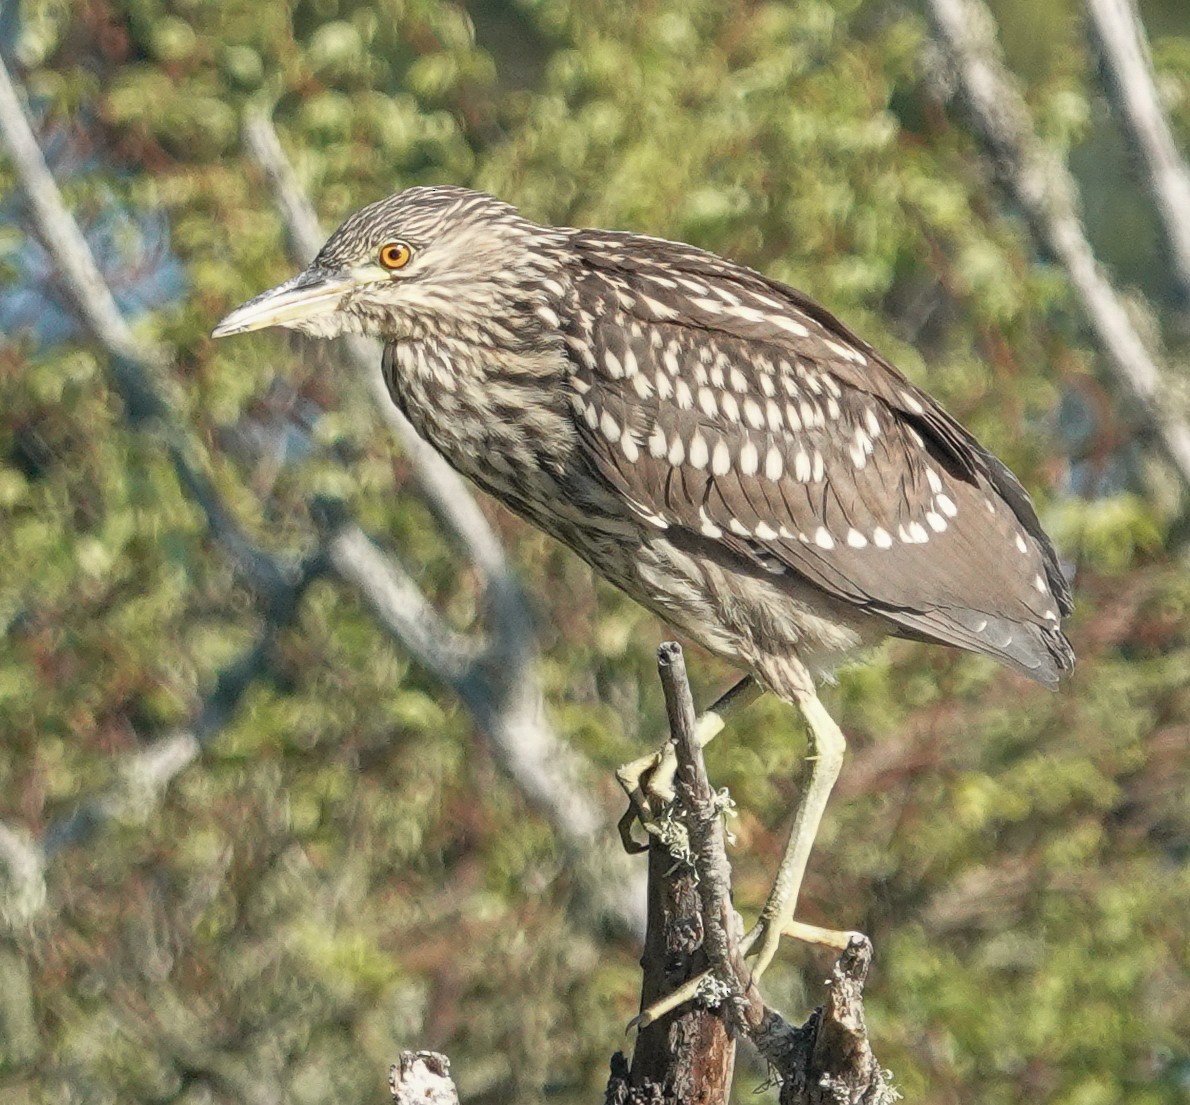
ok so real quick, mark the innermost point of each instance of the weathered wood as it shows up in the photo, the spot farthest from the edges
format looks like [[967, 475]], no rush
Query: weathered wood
[[422, 1078], [687, 1056]]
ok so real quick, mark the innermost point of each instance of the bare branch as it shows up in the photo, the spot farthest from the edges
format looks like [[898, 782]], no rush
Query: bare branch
[[496, 680], [22, 878], [680, 1055], [422, 1078], [1124, 47], [60, 232], [132, 363], [704, 811], [1046, 192], [400, 606], [554, 779]]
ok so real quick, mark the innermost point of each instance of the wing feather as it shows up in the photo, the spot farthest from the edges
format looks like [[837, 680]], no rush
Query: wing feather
[[719, 401]]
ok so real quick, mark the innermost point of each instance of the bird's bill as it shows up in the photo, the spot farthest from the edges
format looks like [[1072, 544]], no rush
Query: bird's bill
[[308, 295]]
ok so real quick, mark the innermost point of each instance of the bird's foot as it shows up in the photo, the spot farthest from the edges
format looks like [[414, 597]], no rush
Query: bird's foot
[[763, 939], [706, 987], [648, 783]]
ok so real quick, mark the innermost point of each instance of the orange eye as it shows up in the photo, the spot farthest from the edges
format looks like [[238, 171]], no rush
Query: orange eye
[[395, 255]]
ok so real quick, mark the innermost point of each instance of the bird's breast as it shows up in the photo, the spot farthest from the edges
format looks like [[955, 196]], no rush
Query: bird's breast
[[507, 428]]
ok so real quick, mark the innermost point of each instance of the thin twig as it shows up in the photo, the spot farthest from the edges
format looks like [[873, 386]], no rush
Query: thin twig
[[132, 363], [703, 816], [59, 231], [1124, 47], [554, 779], [1047, 194]]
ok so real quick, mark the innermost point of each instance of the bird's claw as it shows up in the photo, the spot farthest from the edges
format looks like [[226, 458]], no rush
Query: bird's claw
[[763, 939], [649, 792]]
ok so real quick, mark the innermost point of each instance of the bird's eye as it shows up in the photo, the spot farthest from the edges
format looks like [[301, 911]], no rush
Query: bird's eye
[[395, 255]]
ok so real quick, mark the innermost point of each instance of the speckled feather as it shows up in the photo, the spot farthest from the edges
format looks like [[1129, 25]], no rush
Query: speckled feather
[[710, 440], [723, 402]]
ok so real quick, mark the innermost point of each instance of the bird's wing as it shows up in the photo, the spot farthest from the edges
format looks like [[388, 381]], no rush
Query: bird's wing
[[728, 405]]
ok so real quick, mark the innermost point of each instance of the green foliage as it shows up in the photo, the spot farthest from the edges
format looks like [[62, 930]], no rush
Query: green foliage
[[345, 872]]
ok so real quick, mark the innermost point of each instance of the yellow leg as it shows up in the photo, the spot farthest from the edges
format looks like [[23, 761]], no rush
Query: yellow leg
[[796, 930], [827, 747]]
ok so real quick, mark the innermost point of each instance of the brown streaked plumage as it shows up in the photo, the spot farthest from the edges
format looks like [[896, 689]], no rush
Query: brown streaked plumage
[[712, 441]]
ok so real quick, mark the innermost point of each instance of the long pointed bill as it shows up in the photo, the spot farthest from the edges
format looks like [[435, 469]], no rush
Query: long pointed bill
[[308, 295]]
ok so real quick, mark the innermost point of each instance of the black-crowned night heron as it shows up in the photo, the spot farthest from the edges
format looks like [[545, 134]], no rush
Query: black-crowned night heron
[[710, 440]]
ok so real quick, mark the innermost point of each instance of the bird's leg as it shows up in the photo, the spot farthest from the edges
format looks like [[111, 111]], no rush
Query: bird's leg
[[827, 746], [648, 781]]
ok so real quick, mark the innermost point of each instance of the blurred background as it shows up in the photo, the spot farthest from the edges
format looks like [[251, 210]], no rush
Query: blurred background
[[254, 839]]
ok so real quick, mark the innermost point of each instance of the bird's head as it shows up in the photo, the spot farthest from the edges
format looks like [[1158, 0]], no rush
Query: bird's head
[[429, 260]]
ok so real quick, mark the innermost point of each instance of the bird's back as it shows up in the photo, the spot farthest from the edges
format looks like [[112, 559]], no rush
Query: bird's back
[[745, 423]]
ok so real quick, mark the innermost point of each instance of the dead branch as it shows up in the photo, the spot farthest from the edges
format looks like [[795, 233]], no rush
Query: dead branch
[[497, 678], [422, 1078], [1123, 47], [687, 1054], [1047, 194], [132, 363]]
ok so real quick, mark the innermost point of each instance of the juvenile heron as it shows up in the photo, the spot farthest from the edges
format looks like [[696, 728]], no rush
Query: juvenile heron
[[710, 440]]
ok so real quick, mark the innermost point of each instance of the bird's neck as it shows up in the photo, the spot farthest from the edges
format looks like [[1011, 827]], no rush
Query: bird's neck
[[482, 407]]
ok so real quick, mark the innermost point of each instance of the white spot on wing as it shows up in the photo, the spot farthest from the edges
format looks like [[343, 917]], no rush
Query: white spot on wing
[[773, 463], [911, 403], [856, 539], [823, 539], [749, 458], [721, 459], [788, 325], [881, 538], [699, 455], [641, 385], [706, 526]]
